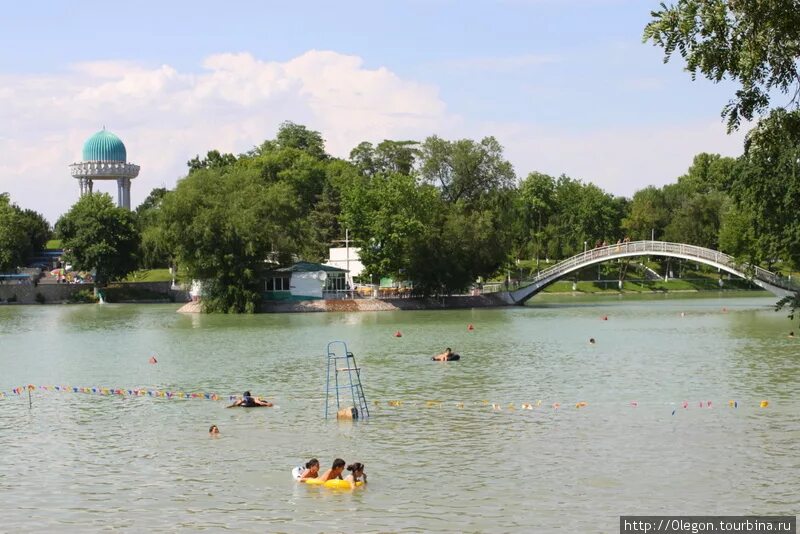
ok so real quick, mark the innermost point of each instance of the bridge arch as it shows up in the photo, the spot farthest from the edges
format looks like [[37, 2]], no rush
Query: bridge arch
[[770, 281]]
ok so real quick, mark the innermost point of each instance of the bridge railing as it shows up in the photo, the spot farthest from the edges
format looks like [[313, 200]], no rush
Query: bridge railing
[[622, 249]]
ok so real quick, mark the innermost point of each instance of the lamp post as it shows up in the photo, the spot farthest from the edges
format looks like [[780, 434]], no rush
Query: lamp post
[[584, 247]]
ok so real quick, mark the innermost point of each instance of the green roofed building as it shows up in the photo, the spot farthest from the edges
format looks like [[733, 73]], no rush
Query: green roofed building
[[104, 157], [305, 281]]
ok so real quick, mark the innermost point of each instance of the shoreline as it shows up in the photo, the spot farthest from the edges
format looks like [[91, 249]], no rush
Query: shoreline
[[490, 300]]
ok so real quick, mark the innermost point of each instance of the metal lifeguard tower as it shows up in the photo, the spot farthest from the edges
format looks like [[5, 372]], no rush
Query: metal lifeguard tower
[[341, 360]]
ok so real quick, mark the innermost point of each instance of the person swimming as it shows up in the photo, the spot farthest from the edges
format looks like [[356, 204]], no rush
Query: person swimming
[[357, 474], [214, 430], [248, 401], [446, 356], [591, 341], [335, 472], [311, 470]]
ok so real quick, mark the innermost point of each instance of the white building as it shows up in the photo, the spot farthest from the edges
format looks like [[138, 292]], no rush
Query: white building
[[346, 258]]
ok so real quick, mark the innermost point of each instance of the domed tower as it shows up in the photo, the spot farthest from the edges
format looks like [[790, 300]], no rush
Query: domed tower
[[105, 158]]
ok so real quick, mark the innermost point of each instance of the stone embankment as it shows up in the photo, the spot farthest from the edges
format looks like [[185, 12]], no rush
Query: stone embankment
[[127, 292], [43, 293], [361, 305]]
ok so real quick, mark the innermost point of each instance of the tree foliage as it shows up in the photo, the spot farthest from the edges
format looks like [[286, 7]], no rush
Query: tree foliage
[[155, 247], [464, 170], [99, 236], [22, 234], [753, 42], [214, 160], [439, 216], [767, 186], [229, 224]]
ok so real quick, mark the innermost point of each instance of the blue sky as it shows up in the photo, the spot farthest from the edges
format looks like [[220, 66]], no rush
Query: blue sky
[[565, 85]]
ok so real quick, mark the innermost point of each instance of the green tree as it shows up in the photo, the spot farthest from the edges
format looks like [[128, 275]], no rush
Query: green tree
[[535, 207], [214, 160], [22, 234], [753, 42], [155, 249], [708, 172], [391, 217], [296, 136], [768, 187], [697, 220], [736, 231], [584, 213], [13, 241], [464, 170], [388, 156], [648, 211], [225, 224], [98, 236]]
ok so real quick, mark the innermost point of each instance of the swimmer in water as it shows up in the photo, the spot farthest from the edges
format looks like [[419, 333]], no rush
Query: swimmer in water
[[248, 401], [335, 472], [357, 474], [591, 341], [311, 470], [213, 431], [791, 334], [443, 357]]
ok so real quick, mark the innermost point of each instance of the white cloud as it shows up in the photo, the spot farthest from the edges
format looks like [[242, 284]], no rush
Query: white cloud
[[166, 117]]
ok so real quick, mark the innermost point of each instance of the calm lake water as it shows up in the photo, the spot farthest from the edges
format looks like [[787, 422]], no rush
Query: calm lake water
[[77, 462]]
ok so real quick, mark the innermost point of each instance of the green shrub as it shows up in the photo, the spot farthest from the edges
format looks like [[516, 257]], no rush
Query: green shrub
[[84, 296], [131, 293]]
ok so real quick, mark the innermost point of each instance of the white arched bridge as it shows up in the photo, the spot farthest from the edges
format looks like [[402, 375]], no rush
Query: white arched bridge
[[763, 278]]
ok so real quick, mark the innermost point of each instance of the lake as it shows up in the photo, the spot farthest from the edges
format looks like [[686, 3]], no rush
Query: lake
[[443, 458]]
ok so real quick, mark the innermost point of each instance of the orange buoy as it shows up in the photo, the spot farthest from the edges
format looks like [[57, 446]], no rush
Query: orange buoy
[[398, 334], [470, 327]]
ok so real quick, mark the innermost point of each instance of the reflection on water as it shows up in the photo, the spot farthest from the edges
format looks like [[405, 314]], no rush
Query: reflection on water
[[86, 463]]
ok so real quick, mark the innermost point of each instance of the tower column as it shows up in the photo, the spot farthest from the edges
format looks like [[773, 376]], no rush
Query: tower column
[[120, 192], [85, 185], [127, 190], [124, 193]]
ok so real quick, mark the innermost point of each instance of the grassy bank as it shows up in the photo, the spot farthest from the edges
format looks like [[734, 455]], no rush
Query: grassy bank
[[654, 286]]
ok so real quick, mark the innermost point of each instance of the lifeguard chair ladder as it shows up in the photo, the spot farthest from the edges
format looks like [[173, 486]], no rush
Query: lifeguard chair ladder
[[341, 360]]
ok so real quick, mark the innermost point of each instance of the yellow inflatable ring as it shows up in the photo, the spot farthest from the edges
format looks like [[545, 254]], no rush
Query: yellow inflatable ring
[[335, 483]]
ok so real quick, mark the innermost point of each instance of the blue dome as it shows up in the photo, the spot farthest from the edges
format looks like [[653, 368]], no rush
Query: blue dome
[[104, 146]]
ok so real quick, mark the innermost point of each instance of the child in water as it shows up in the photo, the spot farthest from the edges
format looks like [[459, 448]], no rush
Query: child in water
[[311, 470], [357, 474], [334, 472]]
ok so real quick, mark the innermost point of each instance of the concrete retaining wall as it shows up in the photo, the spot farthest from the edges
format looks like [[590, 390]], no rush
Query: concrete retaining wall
[[346, 305], [59, 293], [52, 293]]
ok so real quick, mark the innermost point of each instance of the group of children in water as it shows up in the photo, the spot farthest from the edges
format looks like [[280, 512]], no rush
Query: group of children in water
[[311, 472]]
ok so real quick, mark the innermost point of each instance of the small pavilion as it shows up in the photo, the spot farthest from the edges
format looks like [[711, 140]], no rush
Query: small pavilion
[[305, 281], [105, 158]]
